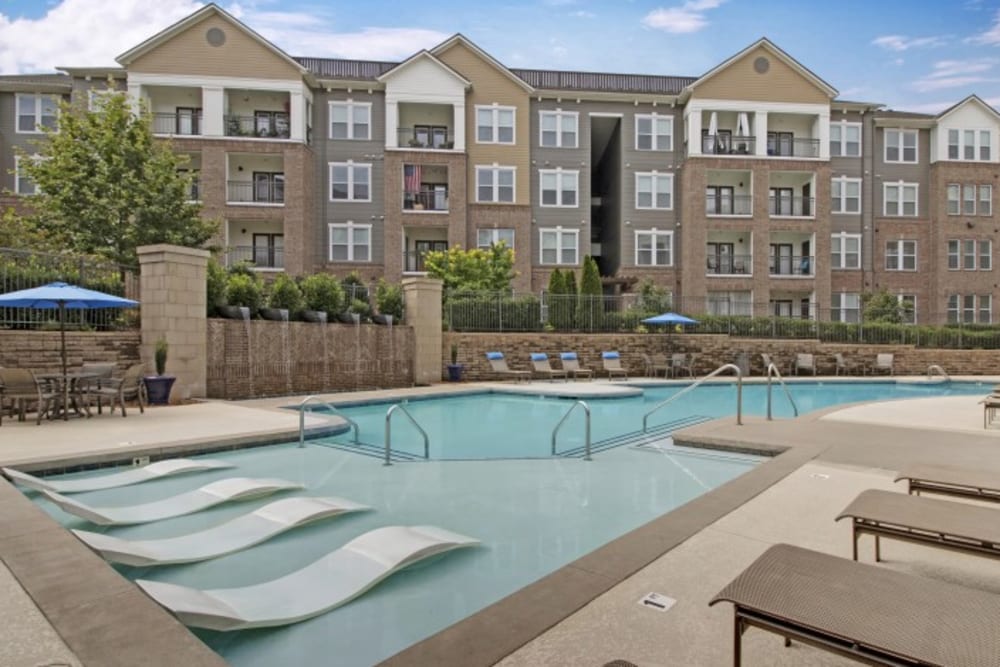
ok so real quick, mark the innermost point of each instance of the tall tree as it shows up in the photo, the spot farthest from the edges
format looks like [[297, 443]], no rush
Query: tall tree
[[473, 269], [884, 307], [107, 186], [590, 308]]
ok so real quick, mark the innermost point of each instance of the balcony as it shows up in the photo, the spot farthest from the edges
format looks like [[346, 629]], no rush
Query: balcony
[[791, 207], [261, 257], [791, 265], [264, 124], [182, 122], [263, 191], [426, 200], [781, 144], [426, 137], [728, 265], [724, 143], [722, 204]]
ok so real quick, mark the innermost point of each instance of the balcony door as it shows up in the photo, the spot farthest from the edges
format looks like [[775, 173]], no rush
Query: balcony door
[[421, 248], [781, 201], [268, 250], [268, 187], [780, 143], [719, 200], [720, 258], [781, 259], [188, 120]]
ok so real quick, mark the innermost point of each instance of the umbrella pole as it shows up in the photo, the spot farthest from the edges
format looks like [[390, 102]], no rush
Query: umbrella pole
[[62, 340]]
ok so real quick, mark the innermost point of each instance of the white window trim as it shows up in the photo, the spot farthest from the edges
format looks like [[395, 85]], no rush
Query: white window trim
[[351, 166], [558, 172], [899, 255], [841, 264], [38, 112], [902, 131], [842, 310], [899, 300], [976, 145], [494, 234], [979, 199], [350, 226], [17, 177], [559, 114], [844, 180], [656, 176], [654, 233], [843, 124], [901, 185], [349, 104], [496, 109], [654, 117], [496, 184], [559, 231]]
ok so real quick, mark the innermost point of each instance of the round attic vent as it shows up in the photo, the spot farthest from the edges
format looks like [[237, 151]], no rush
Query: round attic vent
[[215, 37], [761, 65]]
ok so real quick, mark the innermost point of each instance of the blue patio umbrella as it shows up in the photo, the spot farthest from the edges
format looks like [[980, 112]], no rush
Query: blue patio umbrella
[[63, 296], [669, 318]]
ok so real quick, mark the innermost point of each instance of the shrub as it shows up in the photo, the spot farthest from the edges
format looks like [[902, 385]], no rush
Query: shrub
[[323, 292], [361, 307], [285, 294], [590, 307], [215, 287], [471, 311], [354, 287], [389, 299], [244, 290]]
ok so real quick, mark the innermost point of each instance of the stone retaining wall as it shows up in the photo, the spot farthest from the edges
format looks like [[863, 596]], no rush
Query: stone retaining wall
[[39, 350]]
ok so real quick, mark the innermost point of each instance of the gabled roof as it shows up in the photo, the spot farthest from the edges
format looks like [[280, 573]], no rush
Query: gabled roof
[[776, 52], [971, 99], [185, 23], [422, 55], [459, 38]]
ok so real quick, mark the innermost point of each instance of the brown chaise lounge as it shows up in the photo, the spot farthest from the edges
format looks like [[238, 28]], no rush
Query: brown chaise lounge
[[873, 615], [951, 481], [499, 365], [971, 529]]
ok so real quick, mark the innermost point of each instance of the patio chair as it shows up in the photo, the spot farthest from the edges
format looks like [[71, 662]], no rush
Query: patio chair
[[129, 387], [868, 614], [540, 363], [804, 362], [680, 361], [883, 363], [102, 372], [767, 361], [612, 362], [571, 364], [841, 364], [21, 388], [499, 365], [654, 367]]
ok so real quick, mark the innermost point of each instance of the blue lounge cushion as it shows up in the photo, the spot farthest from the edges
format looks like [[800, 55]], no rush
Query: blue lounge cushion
[[568, 356], [493, 356], [538, 356], [610, 355]]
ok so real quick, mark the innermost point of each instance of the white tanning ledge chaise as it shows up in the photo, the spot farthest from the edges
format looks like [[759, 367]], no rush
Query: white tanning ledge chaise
[[239, 533], [125, 478], [216, 493], [329, 582]]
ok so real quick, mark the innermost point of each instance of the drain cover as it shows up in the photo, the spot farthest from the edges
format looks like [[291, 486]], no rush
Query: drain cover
[[657, 601]]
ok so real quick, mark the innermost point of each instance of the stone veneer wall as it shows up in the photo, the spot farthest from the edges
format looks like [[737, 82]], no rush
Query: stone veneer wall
[[264, 358], [712, 351], [39, 350]]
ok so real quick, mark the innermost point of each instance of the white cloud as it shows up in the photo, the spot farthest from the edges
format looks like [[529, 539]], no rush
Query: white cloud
[[990, 36], [689, 17], [955, 74], [583, 14], [904, 43]]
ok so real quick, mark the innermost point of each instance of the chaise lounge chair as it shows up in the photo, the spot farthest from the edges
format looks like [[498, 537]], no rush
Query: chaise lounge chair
[[612, 363], [951, 481], [499, 365], [571, 364], [869, 614], [540, 363]]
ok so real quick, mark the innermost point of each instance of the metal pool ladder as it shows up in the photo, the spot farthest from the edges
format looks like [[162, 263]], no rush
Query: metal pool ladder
[[717, 371], [586, 442], [772, 370], [935, 367], [388, 432], [319, 401]]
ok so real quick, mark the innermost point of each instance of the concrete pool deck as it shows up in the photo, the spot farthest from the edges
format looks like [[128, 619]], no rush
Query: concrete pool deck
[[585, 613]]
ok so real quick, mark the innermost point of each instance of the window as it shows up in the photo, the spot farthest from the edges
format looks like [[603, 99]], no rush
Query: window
[[350, 120], [654, 190], [846, 194], [954, 199], [495, 125], [488, 237], [654, 132], [970, 255], [845, 139], [98, 97], [985, 200], [730, 303], [970, 308], [559, 129], [559, 188], [35, 112], [845, 251], [900, 199], [268, 187], [654, 248], [969, 199], [559, 246], [495, 185], [350, 181], [907, 308], [845, 307], [901, 256], [972, 145], [350, 242], [986, 255], [901, 146], [271, 124], [22, 184]]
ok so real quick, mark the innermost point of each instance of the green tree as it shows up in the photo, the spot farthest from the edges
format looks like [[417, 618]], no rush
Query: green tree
[[560, 306], [475, 269], [107, 186], [653, 299], [389, 299], [590, 306], [883, 307]]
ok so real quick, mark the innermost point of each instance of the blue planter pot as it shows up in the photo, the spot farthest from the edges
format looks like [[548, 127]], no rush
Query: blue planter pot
[[158, 388], [455, 372]]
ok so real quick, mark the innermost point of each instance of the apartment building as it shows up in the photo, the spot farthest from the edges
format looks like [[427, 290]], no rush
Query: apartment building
[[751, 189]]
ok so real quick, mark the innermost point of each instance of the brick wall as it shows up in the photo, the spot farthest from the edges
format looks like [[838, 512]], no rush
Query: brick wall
[[262, 358], [39, 350], [712, 351]]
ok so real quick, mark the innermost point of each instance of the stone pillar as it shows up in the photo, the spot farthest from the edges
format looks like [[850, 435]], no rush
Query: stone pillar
[[422, 297], [172, 299]]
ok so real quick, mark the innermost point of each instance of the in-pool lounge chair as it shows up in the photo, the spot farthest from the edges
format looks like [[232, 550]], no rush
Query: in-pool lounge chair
[[542, 368], [963, 527], [866, 613], [951, 481], [499, 365], [571, 364], [612, 362]]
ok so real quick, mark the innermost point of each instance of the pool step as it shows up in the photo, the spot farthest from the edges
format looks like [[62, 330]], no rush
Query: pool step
[[366, 448], [657, 432]]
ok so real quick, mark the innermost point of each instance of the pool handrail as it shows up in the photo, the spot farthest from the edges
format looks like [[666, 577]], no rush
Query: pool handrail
[[388, 432], [319, 401], [772, 370], [586, 442], [941, 371], [717, 371]]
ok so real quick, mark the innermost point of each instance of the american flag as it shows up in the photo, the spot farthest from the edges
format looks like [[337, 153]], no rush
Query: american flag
[[411, 178]]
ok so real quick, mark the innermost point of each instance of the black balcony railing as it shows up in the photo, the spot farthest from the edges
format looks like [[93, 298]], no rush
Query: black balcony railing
[[263, 257], [248, 192], [728, 265], [426, 200], [728, 204], [273, 125], [423, 136], [792, 147], [793, 207], [413, 261], [178, 123], [791, 265], [727, 144]]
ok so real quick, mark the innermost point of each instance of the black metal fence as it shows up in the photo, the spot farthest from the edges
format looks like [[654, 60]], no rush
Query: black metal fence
[[24, 269]]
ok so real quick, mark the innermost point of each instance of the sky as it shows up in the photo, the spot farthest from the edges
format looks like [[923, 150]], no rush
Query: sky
[[917, 55]]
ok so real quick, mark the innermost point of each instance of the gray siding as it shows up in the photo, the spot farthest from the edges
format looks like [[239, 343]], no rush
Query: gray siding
[[890, 172], [10, 139]]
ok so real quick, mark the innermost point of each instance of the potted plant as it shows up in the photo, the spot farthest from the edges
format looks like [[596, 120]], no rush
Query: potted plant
[[324, 298], [243, 294], [158, 386], [454, 368], [389, 301], [284, 300]]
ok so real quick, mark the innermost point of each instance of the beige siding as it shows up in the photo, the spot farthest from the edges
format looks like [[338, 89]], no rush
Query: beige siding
[[189, 53], [781, 83], [489, 86]]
